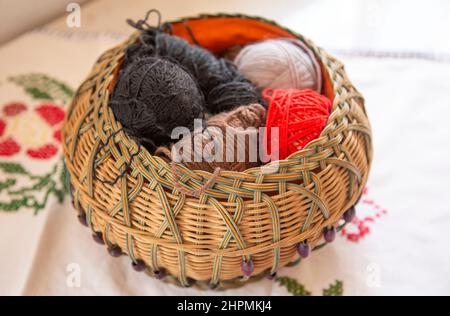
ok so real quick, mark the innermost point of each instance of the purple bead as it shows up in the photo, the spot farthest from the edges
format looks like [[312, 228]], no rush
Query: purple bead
[[98, 237], [329, 234], [71, 190], [159, 274], [247, 267], [303, 249], [358, 200], [139, 265], [115, 251], [82, 219], [349, 214], [271, 276]]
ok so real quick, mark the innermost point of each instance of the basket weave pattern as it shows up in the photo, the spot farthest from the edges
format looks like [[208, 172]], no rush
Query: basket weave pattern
[[248, 215]]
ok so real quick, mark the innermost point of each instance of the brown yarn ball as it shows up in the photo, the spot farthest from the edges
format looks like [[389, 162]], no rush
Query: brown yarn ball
[[211, 143], [232, 52], [153, 96]]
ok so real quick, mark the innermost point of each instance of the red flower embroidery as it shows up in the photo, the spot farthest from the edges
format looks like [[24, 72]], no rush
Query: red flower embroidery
[[361, 230], [2, 127]]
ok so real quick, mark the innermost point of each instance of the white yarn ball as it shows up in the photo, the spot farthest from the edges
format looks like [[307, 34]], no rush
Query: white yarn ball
[[280, 64]]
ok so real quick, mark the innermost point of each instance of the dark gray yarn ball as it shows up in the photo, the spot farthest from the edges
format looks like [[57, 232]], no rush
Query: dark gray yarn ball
[[152, 96]]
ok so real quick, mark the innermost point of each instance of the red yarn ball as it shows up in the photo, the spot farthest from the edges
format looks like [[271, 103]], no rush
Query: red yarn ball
[[300, 116]]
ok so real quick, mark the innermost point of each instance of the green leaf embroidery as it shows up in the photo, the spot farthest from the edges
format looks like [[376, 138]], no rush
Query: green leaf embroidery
[[64, 178], [14, 204], [12, 168], [7, 184], [40, 184]]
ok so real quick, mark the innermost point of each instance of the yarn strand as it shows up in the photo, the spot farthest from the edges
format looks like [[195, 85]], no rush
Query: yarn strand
[[195, 193], [280, 64]]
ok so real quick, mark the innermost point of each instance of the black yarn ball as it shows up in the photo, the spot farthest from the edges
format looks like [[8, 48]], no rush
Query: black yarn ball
[[221, 83], [152, 96]]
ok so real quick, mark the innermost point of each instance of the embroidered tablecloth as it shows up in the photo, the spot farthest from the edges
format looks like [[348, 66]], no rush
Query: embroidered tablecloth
[[398, 243]]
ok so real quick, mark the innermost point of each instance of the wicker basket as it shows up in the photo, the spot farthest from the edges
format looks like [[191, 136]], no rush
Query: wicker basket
[[243, 216]]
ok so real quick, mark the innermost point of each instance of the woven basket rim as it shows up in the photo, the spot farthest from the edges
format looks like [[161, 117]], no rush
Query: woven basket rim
[[307, 150], [339, 158]]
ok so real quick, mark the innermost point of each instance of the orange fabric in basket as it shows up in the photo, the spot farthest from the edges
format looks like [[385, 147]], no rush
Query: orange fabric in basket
[[220, 33]]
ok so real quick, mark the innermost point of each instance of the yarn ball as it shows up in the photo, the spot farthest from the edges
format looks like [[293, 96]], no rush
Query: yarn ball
[[223, 86], [211, 144], [300, 116], [232, 52], [152, 96], [280, 64]]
